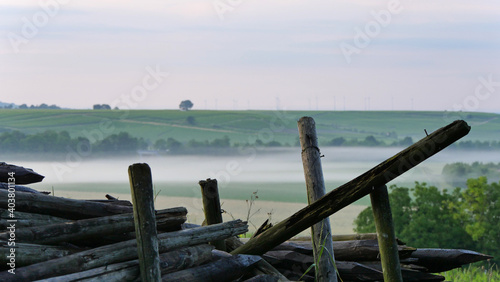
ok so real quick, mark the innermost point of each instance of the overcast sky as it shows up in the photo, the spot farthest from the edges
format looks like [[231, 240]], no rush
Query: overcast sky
[[252, 54]]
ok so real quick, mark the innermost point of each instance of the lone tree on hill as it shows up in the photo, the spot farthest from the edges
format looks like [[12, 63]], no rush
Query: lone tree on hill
[[186, 105]]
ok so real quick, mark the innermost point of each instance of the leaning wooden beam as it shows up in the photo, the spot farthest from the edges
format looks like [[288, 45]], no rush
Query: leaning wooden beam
[[94, 227], [211, 206], [172, 261], [26, 254], [141, 187], [321, 233], [355, 189], [60, 207], [386, 235], [226, 269], [125, 251]]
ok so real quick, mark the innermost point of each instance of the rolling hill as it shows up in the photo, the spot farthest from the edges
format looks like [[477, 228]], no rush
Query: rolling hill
[[244, 126]]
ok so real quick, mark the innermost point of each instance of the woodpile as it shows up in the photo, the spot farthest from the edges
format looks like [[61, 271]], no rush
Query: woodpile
[[62, 246]]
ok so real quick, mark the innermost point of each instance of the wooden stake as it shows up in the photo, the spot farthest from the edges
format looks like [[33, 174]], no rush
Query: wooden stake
[[315, 184], [385, 234], [211, 207], [141, 186], [355, 189]]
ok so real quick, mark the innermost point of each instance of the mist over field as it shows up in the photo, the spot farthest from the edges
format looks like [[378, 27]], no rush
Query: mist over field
[[276, 173]]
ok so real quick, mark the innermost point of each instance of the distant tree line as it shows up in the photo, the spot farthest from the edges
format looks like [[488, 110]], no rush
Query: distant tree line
[[369, 141], [372, 141], [60, 142], [428, 217], [101, 107], [456, 174], [52, 141], [24, 106]]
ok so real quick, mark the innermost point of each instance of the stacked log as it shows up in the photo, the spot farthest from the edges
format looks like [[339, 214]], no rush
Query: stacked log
[[59, 239], [359, 260]]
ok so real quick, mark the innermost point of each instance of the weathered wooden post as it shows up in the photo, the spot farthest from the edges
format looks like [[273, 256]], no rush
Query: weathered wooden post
[[211, 207], [385, 234], [313, 172], [141, 186]]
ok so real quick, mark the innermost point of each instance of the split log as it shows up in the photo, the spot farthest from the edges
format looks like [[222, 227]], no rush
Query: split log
[[440, 260], [359, 250], [124, 251], [26, 219], [61, 207], [226, 269], [22, 175], [27, 254], [172, 261], [92, 228], [355, 189]]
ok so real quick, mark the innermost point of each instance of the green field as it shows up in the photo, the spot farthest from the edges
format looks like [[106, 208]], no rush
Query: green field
[[244, 126]]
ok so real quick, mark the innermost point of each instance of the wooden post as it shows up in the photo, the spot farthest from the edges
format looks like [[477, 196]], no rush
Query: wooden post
[[211, 207], [385, 234], [355, 189], [321, 231], [141, 186]]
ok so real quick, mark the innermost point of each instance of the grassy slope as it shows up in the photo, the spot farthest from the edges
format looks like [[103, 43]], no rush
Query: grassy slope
[[243, 126]]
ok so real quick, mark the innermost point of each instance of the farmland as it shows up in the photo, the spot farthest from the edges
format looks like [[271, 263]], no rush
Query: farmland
[[243, 126]]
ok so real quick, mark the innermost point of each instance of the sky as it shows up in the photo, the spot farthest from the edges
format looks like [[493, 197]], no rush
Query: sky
[[252, 54]]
